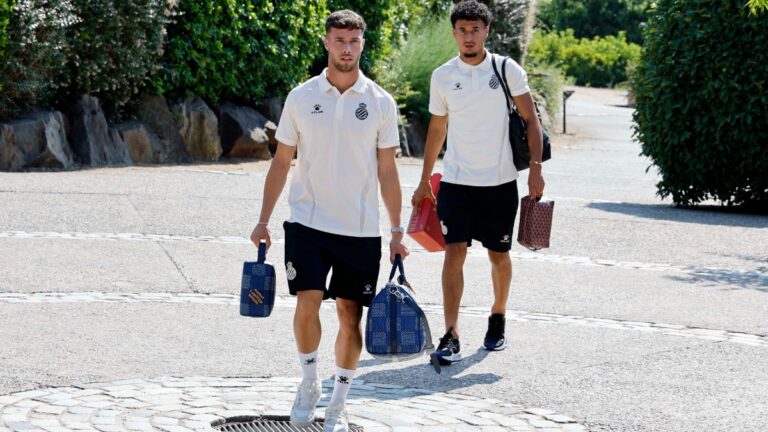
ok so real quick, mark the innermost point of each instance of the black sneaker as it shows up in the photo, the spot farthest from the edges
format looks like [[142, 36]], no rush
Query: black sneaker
[[494, 337], [448, 349]]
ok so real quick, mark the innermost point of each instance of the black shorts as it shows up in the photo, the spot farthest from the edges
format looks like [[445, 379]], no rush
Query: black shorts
[[310, 254], [484, 213]]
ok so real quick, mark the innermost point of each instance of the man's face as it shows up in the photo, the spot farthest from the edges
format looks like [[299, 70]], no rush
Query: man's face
[[344, 48], [470, 37]]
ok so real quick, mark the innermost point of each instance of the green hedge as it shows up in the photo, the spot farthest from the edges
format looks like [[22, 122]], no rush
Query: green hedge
[[599, 62], [702, 101], [240, 49], [34, 54], [114, 49], [591, 18], [5, 14]]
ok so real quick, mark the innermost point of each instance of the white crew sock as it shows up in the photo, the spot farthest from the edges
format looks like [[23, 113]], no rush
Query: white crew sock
[[309, 365], [341, 385]]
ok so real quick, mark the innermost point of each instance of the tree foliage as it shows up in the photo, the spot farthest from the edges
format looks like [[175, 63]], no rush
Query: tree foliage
[[702, 101], [591, 18], [240, 49], [113, 50], [599, 62], [34, 53]]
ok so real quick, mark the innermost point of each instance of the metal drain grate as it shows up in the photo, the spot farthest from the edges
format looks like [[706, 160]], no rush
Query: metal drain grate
[[269, 424]]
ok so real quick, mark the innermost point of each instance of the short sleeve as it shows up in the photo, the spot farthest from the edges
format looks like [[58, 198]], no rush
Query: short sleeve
[[287, 131], [389, 135], [517, 79], [437, 105]]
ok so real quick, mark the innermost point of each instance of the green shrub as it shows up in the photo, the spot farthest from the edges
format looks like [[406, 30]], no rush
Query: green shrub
[[240, 49], [511, 27], [548, 82], [427, 48], [114, 49], [34, 53], [591, 18], [702, 101], [5, 14], [600, 62]]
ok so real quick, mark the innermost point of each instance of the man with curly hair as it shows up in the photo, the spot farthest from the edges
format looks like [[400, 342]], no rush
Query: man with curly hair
[[478, 194]]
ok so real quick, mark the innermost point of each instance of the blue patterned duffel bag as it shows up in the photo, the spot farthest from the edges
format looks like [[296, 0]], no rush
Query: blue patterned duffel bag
[[396, 328], [257, 289]]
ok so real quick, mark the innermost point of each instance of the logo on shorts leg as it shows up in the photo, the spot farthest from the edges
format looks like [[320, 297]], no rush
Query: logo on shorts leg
[[290, 271], [505, 239], [368, 289], [443, 228]]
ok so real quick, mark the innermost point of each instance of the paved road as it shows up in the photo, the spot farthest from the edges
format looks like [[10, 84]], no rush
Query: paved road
[[118, 307]]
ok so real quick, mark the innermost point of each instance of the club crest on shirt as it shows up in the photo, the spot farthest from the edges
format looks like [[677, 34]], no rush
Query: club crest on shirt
[[494, 82], [458, 86], [317, 109], [361, 112]]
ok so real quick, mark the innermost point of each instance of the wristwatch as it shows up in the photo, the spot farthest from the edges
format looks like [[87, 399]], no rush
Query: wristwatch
[[397, 229]]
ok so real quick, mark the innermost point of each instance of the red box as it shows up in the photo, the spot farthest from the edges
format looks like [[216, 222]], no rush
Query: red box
[[424, 226]]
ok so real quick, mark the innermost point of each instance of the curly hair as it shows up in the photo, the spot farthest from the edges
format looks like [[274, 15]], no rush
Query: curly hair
[[471, 10], [345, 19]]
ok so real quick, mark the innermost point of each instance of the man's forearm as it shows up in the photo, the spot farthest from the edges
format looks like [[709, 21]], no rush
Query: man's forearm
[[435, 139], [535, 140], [391, 194], [273, 187]]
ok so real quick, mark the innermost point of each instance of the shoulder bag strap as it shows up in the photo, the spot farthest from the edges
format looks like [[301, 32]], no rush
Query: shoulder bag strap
[[502, 80]]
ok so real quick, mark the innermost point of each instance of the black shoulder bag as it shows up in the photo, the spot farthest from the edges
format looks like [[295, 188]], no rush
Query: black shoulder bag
[[518, 135]]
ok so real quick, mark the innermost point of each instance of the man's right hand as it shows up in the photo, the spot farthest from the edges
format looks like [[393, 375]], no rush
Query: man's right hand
[[423, 191], [261, 232]]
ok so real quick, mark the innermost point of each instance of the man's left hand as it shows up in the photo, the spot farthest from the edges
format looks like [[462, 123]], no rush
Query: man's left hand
[[535, 182]]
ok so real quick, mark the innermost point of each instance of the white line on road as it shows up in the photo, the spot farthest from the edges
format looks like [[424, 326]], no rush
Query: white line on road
[[730, 274], [434, 309]]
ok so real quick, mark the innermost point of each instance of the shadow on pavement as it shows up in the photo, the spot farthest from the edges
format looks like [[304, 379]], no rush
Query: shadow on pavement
[[423, 376], [753, 279], [708, 215]]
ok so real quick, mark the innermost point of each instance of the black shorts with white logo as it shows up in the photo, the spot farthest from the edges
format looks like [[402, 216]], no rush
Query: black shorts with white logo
[[484, 213], [310, 254]]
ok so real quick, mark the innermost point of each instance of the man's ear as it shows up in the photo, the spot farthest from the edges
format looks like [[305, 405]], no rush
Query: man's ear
[[325, 43]]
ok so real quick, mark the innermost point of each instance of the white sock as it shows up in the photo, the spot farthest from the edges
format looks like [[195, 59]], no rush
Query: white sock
[[343, 381], [309, 365]]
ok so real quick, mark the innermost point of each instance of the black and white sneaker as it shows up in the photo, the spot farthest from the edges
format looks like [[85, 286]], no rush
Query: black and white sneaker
[[448, 351], [494, 337]]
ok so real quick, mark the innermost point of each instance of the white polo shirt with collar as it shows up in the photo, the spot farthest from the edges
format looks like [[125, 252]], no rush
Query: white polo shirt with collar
[[335, 185], [478, 153]]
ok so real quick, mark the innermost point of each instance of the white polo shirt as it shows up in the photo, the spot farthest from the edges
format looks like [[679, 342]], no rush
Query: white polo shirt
[[335, 185], [478, 153]]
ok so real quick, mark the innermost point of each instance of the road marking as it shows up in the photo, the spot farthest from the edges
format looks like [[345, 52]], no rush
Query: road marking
[[433, 309], [738, 275]]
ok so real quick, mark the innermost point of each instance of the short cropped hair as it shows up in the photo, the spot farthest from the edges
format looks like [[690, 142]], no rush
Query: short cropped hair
[[471, 10], [345, 19]]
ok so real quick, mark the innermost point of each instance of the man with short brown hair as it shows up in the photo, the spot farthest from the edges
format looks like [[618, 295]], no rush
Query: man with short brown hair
[[344, 127]]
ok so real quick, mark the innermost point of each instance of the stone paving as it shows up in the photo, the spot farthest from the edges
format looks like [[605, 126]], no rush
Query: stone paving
[[175, 404]]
